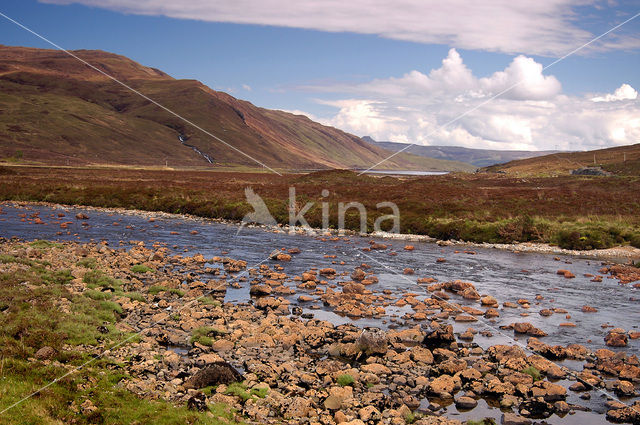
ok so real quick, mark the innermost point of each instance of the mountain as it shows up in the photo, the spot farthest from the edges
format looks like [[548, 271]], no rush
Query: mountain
[[477, 157], [621, 160], [56, 110]]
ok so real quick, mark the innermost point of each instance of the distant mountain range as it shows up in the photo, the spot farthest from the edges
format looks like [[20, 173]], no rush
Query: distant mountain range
[[56, 110], [477, 157]]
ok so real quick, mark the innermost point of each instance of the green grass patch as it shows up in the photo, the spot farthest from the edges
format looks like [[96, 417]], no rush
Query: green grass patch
[[156, 289], [209, 301], [344, 380], [205, 335], [89, 263], [485, 421], [239, 390], [533, 372], [97, 278], [141, 268], [43, 244], [135, 296], [97, 295]]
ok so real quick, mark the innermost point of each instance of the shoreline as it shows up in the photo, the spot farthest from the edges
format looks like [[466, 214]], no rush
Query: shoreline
[[618, 254]]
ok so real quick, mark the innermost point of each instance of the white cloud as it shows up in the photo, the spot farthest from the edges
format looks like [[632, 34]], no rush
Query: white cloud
[[247, 87], [544, 27], [523, 79], [534, 115], [624, 92]]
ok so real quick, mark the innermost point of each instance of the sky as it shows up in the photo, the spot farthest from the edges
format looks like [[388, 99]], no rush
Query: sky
[[490, 74]]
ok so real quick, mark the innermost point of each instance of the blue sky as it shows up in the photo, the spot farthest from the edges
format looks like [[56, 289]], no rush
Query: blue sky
[[361, 81]]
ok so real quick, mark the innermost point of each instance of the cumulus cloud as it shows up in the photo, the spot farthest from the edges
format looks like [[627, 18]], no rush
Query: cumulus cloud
[[543, 27], [450, 106], [624, 92]]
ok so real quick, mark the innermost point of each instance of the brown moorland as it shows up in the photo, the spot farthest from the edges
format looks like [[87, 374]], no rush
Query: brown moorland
[[572, 211]]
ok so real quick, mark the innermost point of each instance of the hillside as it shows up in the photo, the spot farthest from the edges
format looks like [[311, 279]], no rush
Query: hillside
[[621, 160], [56, 110], [477, 157]]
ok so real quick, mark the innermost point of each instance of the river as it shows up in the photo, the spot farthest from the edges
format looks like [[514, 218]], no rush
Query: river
[[508, 276]]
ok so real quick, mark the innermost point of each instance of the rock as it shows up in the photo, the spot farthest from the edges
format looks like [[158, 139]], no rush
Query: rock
[[353, 288], [439, 337], [444, 386], [464, 402], [87, 407], [198, 402], [561, 407], [409, 247], [213, 374], [283, 257], [369, 413], [491, 312], [465, 318], [590, 171], [339, 397], [489, 301], [589, 309], [260, 290], [408, 271], [82, 216], [376, 369], [309, 277], [358, 275], [627, 414], [527, 328], [299, 407], [372, 341], [616, 338], [45, 353], [329, 272]]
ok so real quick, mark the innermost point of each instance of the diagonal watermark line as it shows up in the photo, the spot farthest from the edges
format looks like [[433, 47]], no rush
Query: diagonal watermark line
[[105, 351], [457, 307], [208, 133], [508, 89]]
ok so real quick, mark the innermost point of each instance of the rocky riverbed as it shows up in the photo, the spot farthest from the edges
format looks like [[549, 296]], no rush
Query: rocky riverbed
[[274, 362]]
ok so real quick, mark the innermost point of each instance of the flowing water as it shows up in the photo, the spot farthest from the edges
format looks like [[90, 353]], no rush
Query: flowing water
[[506, 275]]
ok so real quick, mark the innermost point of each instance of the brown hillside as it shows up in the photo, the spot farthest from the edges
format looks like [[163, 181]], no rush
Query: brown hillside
[[621, 160], [56, 110]]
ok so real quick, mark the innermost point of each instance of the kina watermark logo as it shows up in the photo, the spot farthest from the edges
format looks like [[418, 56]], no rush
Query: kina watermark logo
[[297, 220]]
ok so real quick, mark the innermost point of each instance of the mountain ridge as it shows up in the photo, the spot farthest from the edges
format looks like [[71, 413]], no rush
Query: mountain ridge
[[474, 156], [57, 110]]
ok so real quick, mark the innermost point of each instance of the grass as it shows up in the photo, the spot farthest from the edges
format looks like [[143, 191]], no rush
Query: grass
[[485, 421], [205, 335], [141, 268], [32, 318], [533, 372], [209, 301], [344, 380], [97, 278], [240, 390], [42, 244]]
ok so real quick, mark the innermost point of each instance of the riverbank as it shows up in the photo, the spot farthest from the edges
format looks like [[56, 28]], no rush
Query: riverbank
[[172, 340], [572, 212], [622, 254]]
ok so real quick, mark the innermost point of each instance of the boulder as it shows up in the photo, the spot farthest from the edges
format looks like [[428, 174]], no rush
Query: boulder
[[372, 341], [440, 337], [213, 374], [616, 338]]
